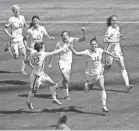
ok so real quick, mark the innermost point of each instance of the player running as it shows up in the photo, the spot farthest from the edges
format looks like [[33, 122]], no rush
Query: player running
[[36, 32], [113, 37], [38, 75], [16, 23], [94, 68], [65, 58]]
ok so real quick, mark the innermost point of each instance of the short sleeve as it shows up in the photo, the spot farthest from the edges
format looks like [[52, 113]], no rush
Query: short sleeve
[[9, 22], [44, 31], [74, 39], [100, 50], [108, 32], [58, 45]]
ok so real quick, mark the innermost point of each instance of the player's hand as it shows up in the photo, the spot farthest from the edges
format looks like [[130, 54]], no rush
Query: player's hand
[[117, 57], [52, 38], [49, 66], [122, 37], [12, 37], [83, 29]]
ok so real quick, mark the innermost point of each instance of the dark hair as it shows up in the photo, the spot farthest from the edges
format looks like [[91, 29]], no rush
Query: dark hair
[[63, 118], [94, 39], [38, 46], [109, 20], [64, 32], [33, 17]]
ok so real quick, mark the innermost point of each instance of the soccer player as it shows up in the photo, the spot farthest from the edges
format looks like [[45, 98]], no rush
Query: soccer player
[[36, 32], [65, 58], [113, 37], [94, 68], [38, 76], [16, 23], [61, 125]]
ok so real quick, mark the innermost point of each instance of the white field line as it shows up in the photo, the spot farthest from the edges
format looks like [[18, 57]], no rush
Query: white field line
[[80, 22]]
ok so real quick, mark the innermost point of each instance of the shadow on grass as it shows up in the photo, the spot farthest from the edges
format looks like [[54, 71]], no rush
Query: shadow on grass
[[71, 109], [13, 82], [19, 111], [8, 72], [63, 109]]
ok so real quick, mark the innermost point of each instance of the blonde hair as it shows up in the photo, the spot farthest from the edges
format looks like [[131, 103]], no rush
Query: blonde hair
[[14, 7]]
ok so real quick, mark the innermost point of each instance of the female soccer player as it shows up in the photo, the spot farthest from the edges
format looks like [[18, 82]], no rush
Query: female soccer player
[[38, 75], [61, 124], [113, 37], [36, 32], [65, 58], [16, 23], [94, 68]]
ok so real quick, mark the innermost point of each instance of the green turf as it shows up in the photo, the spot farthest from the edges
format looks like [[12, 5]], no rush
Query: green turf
[[84, 111]]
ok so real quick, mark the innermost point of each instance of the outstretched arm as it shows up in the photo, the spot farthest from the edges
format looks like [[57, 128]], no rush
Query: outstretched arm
[[55, 52], [75, 52], [108, 53], [108, 40]]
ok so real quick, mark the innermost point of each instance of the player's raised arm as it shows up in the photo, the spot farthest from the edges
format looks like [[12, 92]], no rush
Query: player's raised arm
[[83, 38]]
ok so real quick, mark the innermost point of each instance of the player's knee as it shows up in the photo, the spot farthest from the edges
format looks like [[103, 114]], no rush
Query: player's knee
[[124, 72], [34, 91], [16, 56]]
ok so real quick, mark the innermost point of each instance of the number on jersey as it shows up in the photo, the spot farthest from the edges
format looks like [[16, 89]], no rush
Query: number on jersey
[[35, 61]]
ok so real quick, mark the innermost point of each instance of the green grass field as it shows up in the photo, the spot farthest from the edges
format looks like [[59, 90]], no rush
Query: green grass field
[[84, 111]]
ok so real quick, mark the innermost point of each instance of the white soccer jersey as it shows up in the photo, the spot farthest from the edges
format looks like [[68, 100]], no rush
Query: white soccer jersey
[[37, 60], [36, 35], [94, 65], [17, 24], [113, 33], [66, 55]]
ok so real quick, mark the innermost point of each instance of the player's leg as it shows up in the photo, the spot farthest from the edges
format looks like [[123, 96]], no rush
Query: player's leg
[[22, 51], [34, 86], [121, 64], [103, 93], [46, 79], [65, 70], [14, 51], [108, 63]]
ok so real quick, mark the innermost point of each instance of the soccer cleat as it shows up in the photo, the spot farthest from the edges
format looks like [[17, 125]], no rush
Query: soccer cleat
[[30, 106], [67, 98], [85, 89], [23, 72], [6, 48], [129, 87], [105, 109], [56, 101]]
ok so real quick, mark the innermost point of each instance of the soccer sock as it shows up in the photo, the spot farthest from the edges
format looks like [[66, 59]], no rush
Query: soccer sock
[[53, 91], [103, 97], [22, 65], [30, 96], [66, 92], [125, 77]]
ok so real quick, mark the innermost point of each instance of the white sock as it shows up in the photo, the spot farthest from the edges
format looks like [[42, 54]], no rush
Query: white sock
[[66, 92], [30, 96], [125, 77], [103, 97], [22, 65], [53, 91]]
